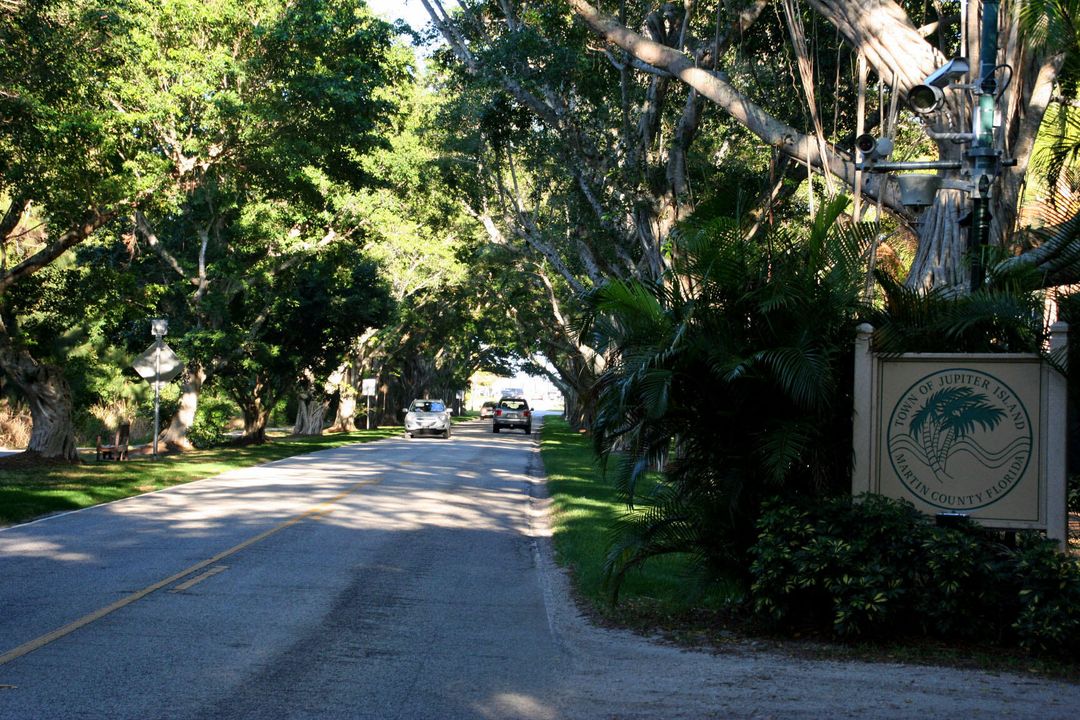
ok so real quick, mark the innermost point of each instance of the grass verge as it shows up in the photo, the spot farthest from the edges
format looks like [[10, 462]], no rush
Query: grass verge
[[30, 492], [584, 509]]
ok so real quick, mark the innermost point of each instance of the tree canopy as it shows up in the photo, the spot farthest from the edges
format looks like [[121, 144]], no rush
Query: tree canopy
[[242, 165]]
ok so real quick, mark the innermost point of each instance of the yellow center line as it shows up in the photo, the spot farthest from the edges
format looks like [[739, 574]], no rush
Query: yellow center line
[[199, 578], [43, 640]]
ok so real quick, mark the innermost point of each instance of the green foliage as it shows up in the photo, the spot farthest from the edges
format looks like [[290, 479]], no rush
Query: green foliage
[[852, 568], [212, 418], [719, 376], [1004, 316], [62, 143], [584, 507], [878, 569], [1051, 26], [1049, 618]]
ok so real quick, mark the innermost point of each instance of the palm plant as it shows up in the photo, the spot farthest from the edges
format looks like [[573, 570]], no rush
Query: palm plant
[[1006, 315], [728, 381]]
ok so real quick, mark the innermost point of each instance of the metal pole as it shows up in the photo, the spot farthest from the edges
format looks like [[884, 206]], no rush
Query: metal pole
[[157, 394], [367, 415], [909, 165], [983, 155]]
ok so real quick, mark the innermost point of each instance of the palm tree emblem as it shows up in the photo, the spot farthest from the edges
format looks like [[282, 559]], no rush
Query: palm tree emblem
[[948, 418]]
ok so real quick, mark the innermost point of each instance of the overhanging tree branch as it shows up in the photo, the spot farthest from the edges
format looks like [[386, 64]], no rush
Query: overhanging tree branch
[[715, 87], [93, 220]]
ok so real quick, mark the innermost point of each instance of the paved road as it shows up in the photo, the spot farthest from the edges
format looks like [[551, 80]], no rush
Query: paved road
[[400, 579]]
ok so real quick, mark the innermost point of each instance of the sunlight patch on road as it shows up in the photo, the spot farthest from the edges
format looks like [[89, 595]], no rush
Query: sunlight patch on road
[[515, 705], [42, 548], [478, 510]]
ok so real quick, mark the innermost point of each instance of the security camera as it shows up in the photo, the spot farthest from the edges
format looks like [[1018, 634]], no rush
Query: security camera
[[928, 96], [953, 70], [873, 148]]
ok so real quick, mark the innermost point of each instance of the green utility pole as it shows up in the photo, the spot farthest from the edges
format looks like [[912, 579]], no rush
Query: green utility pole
[[985, 159]]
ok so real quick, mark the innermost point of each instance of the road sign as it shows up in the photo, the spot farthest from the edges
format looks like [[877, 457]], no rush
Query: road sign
[[148, 366], [368, 386]]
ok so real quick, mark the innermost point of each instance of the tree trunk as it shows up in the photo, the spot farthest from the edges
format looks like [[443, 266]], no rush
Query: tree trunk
[[346, 411], [574, 411], [310, 415], [256, 415], [940, 258], [175, 436], [881, 31], [49, 396], [255, 419], [346, 389]]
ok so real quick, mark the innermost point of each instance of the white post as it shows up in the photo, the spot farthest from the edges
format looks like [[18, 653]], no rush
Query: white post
[[158, 328], [1054, 435], [157, 394], [862, 420]]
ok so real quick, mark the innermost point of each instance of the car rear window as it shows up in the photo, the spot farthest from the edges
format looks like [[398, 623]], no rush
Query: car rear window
[[514, 405]]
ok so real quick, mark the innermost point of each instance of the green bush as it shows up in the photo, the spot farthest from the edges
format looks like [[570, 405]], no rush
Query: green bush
[[725, 337], [963, 584], [879, 569], [212, 418], [1049, 616], [832, 564]]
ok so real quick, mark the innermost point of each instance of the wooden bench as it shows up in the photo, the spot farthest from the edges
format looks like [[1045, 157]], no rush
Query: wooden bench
[[118, 450]]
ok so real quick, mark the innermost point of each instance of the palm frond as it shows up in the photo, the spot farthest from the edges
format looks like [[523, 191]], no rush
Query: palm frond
[[803, 373], [782, 448]]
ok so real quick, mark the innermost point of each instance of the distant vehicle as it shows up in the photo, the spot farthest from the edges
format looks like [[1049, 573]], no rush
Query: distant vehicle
[[512, 413], [487, 409], [513, 393], [427, 416]]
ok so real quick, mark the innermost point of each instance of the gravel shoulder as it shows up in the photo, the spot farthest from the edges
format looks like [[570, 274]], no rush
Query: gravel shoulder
[[611, 673]]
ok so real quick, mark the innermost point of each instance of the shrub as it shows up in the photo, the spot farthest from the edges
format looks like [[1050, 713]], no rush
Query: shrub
[[1049, 614], [833, 564], [212, 418], [719, 379], [878, 568], [103, 419], [964, 588]]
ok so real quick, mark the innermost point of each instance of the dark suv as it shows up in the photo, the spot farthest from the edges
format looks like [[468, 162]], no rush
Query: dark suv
[[512, 413]]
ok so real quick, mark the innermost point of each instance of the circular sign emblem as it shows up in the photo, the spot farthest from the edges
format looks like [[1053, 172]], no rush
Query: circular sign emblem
[[959, 439]]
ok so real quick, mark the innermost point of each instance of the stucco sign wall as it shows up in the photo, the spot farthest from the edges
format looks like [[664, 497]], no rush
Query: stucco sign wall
[[979, 435]]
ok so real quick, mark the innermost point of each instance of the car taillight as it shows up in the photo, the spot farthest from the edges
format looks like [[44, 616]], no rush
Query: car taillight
[[528, 413], [498, 413]]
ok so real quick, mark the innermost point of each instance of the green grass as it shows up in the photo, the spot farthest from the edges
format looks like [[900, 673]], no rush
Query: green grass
[[585, 507], [30, 492]]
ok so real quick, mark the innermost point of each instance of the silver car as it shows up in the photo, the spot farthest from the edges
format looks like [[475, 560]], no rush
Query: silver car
[[427, 416], [512, 413]]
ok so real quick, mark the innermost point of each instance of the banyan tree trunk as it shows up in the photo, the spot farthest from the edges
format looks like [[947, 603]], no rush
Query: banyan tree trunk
[[256, 416], [49, 396], [941, 258], [346, 412], [175, 436], [310, 415]]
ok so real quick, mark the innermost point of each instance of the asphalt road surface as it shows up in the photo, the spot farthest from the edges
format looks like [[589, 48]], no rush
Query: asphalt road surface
[[400, 579]]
